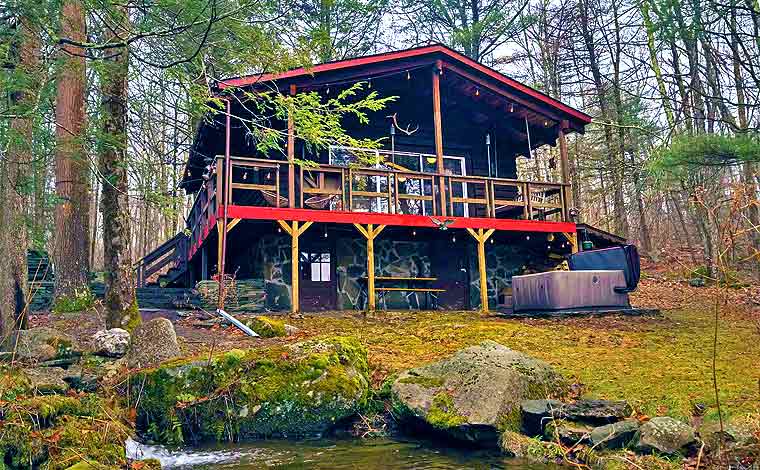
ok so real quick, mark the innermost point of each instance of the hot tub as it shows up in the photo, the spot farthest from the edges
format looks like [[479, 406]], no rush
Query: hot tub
[[562, 290]]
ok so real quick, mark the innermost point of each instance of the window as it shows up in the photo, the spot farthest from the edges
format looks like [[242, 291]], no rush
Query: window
[[315, 266]]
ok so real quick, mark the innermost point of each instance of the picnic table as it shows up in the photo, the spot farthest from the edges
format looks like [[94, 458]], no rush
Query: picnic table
[[410, 285]]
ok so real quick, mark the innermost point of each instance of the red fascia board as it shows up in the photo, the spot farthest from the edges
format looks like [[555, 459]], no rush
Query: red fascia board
[[403, 220], [387, 56]]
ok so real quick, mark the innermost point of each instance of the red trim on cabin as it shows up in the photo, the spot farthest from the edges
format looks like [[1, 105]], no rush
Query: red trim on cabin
[[415, 52], [404, 220]]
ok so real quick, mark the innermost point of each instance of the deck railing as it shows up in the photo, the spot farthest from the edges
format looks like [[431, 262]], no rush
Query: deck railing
[[257, 182]]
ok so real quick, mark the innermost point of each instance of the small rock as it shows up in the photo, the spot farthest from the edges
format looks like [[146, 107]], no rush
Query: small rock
[[736, 434], [47, 379], [665, 435], [291, 330], [81, 379], [615, 435], [596, 411], [568, 433], [152, 342], [111, 343], [697, 282], [536, 414], [44, 344]]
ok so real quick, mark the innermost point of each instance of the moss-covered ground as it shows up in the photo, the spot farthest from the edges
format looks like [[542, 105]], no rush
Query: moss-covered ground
[[661, 364]]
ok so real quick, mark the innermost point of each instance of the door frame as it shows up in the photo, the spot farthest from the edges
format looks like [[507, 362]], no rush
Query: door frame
[[317, 245]]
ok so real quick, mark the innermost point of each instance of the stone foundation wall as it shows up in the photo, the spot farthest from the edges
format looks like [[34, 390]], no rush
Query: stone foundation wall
[[271, 255], [502, 262], [274, 268], [392, 258]]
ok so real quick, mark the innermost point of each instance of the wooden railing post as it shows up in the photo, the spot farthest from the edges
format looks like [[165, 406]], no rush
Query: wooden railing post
[[565, 168]]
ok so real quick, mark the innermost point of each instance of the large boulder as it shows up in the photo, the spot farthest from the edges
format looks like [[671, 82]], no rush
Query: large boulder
[[152, 343], [475, 394], [111, 343], [665, 435], [301, 390], [44, 344]]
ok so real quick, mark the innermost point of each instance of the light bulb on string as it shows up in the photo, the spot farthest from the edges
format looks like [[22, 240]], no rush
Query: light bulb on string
[[454, 239], [477, 91], [408, 75]]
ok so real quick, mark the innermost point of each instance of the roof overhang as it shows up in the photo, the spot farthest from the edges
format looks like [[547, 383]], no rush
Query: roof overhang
[[450, 59]]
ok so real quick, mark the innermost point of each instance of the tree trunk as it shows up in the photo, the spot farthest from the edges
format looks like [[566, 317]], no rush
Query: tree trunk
[[120, 299], [15, 197], [72, 171]]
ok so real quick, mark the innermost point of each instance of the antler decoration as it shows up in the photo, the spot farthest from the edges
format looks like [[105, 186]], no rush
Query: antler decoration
[[407, 130]]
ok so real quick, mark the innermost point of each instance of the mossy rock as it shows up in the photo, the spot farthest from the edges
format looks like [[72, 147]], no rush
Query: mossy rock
[[476, 393], [54, 432], [298, 391], [267, 327]]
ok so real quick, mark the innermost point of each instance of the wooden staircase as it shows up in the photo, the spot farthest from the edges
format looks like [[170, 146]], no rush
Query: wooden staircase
[[172, 254]]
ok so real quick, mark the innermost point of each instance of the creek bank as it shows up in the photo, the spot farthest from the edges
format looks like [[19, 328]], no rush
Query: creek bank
[[488, 395], [484, 395]]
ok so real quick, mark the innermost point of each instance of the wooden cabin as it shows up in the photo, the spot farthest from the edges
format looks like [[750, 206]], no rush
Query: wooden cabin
[[441, 221]]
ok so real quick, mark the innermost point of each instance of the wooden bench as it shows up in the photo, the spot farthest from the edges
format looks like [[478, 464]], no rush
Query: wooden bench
[[413, 285]]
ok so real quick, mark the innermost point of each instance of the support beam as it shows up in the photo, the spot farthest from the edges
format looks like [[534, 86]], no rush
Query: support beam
[[231, 224], [572, 238], [438, 131], [482, 237], [370, 232], [291, 157], [294, 229]]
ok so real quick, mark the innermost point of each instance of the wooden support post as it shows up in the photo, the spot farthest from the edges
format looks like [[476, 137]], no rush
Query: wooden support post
[[294, 230], [572, 238], [204, 263], [565, 168], [291, 157], [438, 130], [219, 230], [370, 233], [482, 237]]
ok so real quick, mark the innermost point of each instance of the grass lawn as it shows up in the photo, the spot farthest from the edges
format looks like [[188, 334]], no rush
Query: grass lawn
[[661, 365]]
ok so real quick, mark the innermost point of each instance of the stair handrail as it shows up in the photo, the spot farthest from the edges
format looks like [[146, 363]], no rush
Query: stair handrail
[[156, 260]]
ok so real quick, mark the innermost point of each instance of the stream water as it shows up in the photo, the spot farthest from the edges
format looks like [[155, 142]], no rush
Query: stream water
[[369, 454]]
